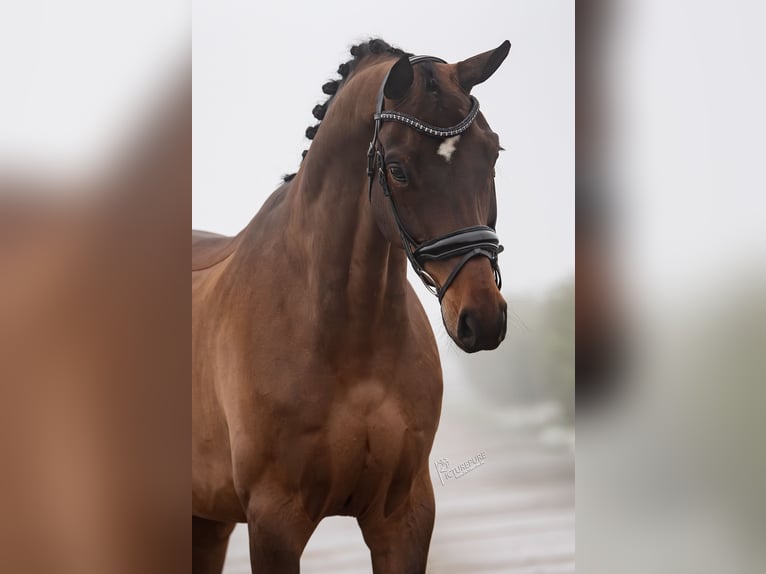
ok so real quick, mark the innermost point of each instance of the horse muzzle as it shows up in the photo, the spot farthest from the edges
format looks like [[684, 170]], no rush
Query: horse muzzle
[[474, 311]]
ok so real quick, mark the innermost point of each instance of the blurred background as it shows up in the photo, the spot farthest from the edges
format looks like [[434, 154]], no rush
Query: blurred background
[[258, 70], [95, 203], [671, 297]]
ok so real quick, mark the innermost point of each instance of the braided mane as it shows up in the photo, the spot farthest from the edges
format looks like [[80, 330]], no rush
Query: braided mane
[[359, 52]]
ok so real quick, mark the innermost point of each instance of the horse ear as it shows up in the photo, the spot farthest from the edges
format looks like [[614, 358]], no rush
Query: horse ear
[[477, 69], [399, 80]]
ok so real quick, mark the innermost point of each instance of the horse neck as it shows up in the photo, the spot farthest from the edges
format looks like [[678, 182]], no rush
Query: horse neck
[[355, 276]]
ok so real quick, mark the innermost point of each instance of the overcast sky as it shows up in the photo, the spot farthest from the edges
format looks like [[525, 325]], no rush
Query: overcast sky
[[258, 70]]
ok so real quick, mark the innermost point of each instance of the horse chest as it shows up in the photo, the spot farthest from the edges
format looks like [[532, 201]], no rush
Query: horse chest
[[376, 446]]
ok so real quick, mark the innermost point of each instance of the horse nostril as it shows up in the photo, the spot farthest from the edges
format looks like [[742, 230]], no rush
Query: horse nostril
[[466, 330]]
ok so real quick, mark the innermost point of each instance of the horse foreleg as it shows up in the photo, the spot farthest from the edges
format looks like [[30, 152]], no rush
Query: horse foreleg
[[399, 542], [279, 530], [209, 542]]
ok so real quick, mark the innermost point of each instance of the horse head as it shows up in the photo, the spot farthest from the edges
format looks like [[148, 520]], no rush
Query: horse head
[[432, 188]]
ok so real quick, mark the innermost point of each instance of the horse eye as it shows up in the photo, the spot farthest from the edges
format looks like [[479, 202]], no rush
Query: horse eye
[[398, 173]]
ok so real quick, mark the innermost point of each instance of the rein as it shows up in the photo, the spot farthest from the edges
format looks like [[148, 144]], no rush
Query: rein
[[468, 242]]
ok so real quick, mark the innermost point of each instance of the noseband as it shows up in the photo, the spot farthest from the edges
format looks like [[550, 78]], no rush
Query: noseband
[[467, 242]]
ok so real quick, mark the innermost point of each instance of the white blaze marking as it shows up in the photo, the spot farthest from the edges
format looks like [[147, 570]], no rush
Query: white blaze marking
[[447, 148]]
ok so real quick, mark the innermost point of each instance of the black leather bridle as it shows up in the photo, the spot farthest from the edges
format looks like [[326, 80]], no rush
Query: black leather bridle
[[468, 242]]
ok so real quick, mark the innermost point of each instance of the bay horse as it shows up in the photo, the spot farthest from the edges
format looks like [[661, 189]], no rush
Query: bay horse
[[316, 381]]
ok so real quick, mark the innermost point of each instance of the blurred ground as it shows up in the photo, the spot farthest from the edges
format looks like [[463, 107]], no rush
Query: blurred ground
[[512, 515]]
